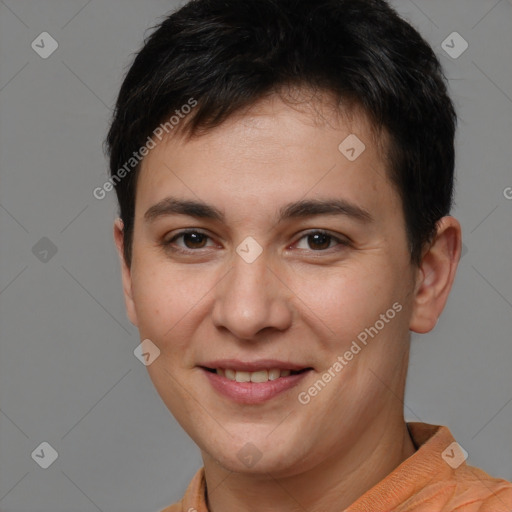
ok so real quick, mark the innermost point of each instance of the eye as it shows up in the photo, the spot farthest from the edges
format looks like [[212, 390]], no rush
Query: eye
[[321, 240], [193, 239]]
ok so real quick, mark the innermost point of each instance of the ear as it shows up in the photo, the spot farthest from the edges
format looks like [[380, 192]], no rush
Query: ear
[[125, 272], [436, 275]]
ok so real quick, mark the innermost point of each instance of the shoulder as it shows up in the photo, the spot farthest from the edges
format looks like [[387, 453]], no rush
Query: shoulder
[[449, 487], [480, 492], [194, 498], [469, 489]]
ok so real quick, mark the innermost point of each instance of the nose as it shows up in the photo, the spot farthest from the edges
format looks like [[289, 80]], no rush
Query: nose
[[252, 297]]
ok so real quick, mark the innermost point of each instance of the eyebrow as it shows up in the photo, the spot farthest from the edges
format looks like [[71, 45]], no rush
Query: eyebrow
[[297, 209]]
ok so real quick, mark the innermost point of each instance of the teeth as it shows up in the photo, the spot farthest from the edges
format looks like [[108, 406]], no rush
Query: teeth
[[274, 374], [259, 376], [243, 376]]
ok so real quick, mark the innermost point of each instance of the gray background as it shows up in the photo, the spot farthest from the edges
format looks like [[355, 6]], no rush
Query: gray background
[[68, 375]]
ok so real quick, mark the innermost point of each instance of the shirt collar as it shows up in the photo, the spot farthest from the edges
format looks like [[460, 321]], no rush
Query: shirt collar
[[416, 472]]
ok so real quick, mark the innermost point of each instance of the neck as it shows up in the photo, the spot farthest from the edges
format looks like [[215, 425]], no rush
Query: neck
[[330, 486]]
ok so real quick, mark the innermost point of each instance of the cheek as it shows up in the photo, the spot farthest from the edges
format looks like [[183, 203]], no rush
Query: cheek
[[163, 298], [172, 303], [344, 300]]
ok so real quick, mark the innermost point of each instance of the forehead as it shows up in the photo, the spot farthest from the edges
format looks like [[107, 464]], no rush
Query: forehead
[[275, 150]]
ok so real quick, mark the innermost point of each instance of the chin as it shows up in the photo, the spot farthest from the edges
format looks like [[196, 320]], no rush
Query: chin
[[259, 457]]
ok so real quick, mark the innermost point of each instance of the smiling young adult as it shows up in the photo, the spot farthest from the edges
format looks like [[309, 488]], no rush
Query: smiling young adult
[[285, 230]]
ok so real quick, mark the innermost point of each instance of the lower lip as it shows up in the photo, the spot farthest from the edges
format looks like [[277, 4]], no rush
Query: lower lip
[[253, 392]]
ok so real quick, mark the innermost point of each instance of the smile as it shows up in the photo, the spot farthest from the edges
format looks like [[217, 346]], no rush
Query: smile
[[258, 376], [253, 387]]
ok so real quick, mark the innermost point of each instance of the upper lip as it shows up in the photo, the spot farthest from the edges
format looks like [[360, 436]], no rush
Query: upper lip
[[253, 366]]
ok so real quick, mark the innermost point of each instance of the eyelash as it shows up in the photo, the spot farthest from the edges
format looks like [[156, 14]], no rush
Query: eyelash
[[167, 244]]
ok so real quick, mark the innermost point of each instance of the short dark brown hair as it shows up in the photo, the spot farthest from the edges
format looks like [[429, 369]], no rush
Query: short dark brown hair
[[228, 54]]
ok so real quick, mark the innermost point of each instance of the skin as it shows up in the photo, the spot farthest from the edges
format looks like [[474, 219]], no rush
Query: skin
[[302, 300]]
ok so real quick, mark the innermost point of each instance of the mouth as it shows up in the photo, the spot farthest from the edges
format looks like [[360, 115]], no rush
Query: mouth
[[253, 387], [264, 375]]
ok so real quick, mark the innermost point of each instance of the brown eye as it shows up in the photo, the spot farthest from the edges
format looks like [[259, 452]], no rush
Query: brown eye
[[321, 240], [192, 240]]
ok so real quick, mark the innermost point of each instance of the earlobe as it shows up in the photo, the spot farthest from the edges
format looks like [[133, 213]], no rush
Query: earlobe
[[125, 272], [436, 275]]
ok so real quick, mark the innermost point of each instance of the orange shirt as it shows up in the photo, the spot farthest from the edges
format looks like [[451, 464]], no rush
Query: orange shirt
[[434, 479]]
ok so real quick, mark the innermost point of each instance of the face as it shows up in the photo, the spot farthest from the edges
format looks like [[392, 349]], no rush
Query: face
[[297, 261]]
